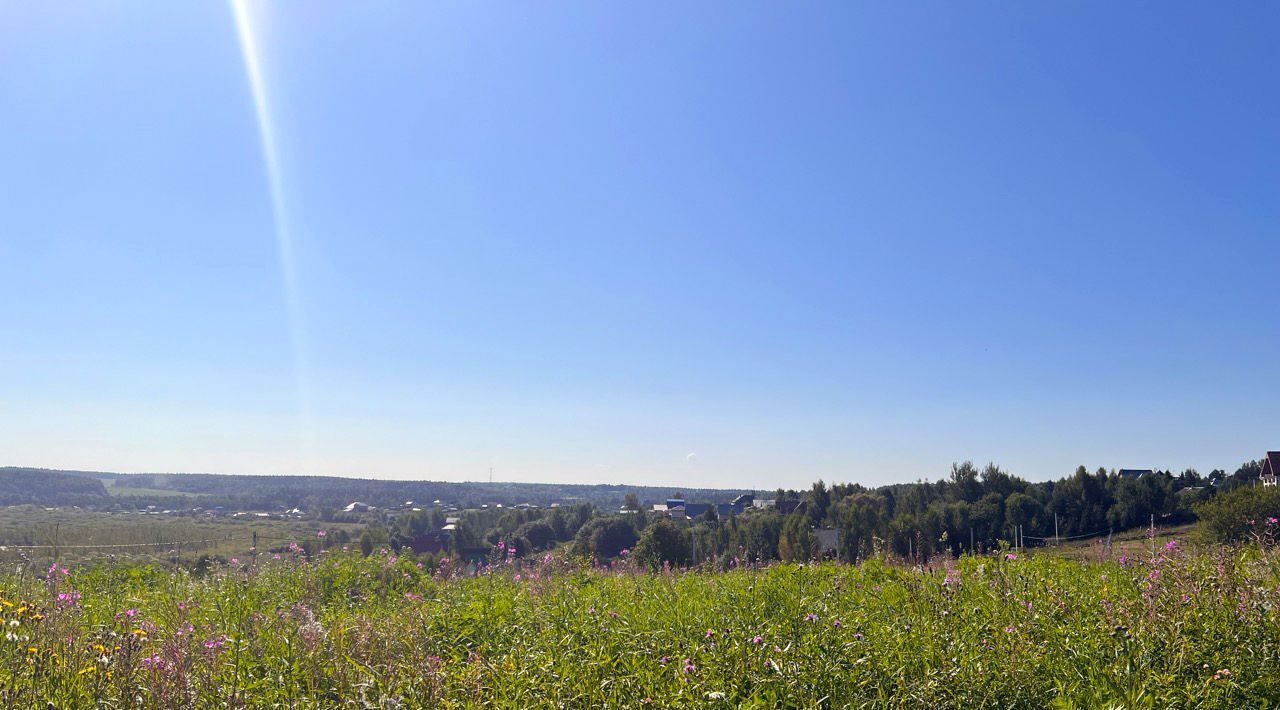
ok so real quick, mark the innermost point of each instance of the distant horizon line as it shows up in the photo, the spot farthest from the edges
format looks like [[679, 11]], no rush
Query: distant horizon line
[[355, 477], [829, 483]]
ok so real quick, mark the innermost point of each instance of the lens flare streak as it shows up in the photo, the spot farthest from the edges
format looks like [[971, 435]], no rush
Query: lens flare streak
[[284, 239]]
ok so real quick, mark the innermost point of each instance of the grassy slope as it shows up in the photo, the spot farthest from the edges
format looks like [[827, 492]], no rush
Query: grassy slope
[[1035, 631]]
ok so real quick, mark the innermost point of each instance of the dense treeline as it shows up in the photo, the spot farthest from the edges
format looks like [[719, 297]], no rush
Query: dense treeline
[[311, 493], [972, 509], [23, 486]]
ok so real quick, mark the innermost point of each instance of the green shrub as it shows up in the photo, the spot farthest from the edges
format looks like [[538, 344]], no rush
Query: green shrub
[[1244, 513]]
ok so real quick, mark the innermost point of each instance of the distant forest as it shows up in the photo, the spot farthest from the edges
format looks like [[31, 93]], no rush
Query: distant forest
[[972, 508], [313, 494]]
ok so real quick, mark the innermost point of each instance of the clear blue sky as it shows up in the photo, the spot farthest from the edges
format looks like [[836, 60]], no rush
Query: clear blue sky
[[727, 244]]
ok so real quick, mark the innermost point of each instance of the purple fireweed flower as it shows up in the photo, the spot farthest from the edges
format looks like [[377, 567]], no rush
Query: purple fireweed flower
[[757, 640], [709, 633], [811, 617], [688, 666], [624, 553], [1171, 545], [1010, 556], [663, 660], [1270, 521], [130, 612]]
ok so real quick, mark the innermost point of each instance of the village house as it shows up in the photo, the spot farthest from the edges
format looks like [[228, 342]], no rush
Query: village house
[[1270, 468]]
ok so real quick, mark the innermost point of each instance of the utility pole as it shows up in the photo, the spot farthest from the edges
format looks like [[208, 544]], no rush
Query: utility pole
[[971, 548]]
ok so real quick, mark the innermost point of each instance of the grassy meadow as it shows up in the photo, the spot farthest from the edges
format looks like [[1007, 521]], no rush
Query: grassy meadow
[[1185, 629]]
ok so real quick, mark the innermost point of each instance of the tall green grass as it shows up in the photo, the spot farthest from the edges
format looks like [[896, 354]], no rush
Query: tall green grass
[[1180, 630]]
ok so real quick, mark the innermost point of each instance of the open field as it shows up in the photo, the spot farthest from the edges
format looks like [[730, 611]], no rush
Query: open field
[[82, 536], [1135, 543], [1180, 630], [113, 488]]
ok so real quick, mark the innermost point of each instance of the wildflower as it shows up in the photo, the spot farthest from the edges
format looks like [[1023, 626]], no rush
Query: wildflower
[[757, 640], [235, 560], [838, 624], [624, 552], [1272, 521], [1172, 545], [688, 666], [1010, 556], [709, 633], [130, 612], [663, 660], [810, 617], [715, 695], [321, 533], [1009, 629]]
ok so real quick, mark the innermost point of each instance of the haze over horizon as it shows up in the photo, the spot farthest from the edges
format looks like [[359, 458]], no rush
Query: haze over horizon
[[722, 245]]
